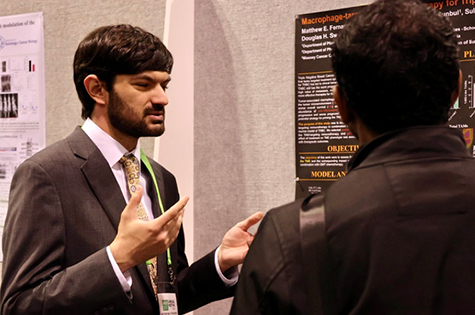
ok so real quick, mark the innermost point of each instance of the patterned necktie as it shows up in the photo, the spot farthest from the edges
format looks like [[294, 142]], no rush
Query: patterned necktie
[[131, 166]]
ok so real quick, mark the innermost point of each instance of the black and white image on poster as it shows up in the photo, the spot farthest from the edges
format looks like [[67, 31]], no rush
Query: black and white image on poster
[[324, 145]]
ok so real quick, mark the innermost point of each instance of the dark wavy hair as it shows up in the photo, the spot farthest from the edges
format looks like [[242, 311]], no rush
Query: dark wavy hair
[[397, 64], [117, 49]]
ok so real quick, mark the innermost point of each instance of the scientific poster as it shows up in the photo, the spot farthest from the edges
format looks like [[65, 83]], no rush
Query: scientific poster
[[323, 144], [22, 96]]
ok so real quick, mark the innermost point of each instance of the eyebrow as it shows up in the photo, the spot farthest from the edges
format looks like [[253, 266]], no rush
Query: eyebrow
[[144, 76]]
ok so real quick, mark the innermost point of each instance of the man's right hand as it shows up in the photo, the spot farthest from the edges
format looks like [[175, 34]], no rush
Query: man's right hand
[[137, 240]]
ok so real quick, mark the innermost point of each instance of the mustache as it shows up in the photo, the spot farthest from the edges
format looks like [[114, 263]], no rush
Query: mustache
[[154, 110]]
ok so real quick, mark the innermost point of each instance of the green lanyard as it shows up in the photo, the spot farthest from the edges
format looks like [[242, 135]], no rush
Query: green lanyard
[[145, 161]]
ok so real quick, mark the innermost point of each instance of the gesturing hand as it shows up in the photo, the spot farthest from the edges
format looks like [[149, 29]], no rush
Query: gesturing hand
[[137, 240], [236, 243]]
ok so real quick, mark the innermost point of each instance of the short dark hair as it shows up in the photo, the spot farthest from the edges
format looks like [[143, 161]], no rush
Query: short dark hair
[[397, 64], [117, 49]]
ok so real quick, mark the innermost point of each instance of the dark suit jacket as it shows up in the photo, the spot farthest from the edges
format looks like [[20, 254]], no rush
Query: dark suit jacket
[[400, 229], [64, 209], [272, 279]]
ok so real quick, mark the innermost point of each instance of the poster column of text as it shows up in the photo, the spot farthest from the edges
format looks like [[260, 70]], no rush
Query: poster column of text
[[323, 143]]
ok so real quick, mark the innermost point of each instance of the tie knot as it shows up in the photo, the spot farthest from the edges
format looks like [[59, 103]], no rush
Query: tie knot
[[128, 160]]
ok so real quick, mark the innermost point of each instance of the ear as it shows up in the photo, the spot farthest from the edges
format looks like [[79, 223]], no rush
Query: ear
[[346, 115], [456, 93], [96, 89]]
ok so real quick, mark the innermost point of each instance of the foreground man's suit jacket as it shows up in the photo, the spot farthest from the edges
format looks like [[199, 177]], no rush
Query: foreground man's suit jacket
[[65, 206], [400, 229]]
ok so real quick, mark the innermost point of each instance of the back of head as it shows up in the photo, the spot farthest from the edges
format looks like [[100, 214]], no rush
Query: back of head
[[396, 62], [117, 49]]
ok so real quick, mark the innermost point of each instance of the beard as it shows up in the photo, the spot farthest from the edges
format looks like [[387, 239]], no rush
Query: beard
[[123, 118]]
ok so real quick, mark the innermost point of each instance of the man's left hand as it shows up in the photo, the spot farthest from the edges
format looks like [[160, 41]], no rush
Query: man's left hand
[[236, 243]]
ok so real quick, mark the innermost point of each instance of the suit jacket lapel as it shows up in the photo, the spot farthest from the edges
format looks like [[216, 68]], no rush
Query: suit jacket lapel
[[98, 174], [161, 184], [151, 191], [151, 188]]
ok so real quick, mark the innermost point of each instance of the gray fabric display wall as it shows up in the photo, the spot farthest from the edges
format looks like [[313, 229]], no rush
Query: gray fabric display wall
[[244, 157]]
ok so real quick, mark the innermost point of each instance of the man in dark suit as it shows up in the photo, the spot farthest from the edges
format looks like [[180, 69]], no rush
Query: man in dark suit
[[400, 227], [71, 244]]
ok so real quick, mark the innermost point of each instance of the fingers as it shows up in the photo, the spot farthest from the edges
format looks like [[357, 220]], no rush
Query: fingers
[[167, 226], [175, 212], [137, 196], [131, 208], [250, 221], [249, 240]]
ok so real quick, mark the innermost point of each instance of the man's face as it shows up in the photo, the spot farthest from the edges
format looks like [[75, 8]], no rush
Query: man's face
[[137, 104]]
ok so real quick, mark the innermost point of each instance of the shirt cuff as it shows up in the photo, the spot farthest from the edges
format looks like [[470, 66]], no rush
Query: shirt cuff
[[232, 275], [124, 278]]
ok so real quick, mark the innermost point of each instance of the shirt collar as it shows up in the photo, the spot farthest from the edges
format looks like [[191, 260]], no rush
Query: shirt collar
[[110, 148]]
